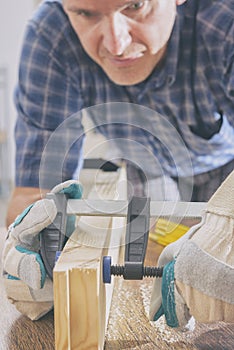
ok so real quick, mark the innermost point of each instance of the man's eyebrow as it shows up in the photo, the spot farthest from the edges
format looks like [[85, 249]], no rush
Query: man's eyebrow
[[77, 8], [131, 2], [123, 3]]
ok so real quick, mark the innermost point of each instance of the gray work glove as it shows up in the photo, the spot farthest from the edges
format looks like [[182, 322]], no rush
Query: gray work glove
[[26, 283], [198, 277]]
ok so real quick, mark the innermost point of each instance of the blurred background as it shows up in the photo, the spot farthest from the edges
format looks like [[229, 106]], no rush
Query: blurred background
[[14, 15]]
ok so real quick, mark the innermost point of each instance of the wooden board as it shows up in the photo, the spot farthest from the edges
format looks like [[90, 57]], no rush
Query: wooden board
[[81, 300]]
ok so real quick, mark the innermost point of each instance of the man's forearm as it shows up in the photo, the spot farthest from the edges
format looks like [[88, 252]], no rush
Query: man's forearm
[[20, 199]]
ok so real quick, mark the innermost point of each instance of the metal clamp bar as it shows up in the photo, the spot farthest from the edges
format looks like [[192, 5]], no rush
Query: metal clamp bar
[[118, 208]]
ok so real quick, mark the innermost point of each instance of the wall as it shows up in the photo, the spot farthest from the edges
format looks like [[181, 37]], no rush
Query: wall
[[13, 17]]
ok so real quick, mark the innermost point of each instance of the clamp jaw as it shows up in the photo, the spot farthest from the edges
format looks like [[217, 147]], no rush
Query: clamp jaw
[[138, 219]]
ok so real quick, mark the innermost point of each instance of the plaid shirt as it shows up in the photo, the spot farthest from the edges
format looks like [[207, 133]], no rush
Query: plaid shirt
[[179, 122]]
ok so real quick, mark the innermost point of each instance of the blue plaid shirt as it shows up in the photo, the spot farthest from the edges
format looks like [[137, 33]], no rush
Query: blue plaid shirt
[[178, 122]]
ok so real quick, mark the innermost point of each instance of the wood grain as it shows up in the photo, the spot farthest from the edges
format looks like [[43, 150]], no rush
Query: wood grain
[[81, 300]]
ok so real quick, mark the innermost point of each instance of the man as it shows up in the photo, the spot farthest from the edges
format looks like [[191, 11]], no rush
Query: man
[[174, 57], [175, 60]]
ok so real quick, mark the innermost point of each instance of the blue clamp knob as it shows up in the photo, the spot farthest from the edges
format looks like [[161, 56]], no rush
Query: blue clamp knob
[[106, 269]]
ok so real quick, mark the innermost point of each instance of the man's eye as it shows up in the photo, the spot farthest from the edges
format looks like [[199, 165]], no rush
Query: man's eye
[[84, 13], [138, 8], [136, 5]]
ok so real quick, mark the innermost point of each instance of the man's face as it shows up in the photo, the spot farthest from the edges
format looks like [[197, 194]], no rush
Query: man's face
[[127, 38]]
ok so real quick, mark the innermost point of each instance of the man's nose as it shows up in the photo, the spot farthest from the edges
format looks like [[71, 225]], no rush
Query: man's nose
[[116, 35]]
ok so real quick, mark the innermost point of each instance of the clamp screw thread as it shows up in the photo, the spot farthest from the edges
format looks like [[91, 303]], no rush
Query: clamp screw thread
[[148, 271], [117, 270]]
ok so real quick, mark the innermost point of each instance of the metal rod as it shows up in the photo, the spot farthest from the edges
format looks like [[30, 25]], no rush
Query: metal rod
[[118, 208]]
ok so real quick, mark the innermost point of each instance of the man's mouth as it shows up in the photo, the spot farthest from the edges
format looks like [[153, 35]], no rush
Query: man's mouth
[[123, 60], [131, 54]]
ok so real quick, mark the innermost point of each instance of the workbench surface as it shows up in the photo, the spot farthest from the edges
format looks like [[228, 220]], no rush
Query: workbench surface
[[128, 326]]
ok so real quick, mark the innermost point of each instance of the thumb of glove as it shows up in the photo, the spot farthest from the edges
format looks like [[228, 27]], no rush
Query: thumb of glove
[[21, 259]]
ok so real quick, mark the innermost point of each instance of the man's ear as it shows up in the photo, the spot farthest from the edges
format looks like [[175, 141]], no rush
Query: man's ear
[[180, 2]]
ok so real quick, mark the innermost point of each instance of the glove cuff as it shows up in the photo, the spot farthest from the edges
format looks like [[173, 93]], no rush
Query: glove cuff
[[222, 201], [218, 281]]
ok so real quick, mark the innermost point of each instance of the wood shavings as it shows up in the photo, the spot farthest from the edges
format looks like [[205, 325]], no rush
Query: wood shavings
[[129, 327], [168, 334]]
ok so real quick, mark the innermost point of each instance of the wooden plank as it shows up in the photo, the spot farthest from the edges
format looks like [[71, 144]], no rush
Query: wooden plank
[[81, 301]]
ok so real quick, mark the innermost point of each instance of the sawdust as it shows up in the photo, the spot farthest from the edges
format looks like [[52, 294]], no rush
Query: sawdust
[[166, 333], [129, 323]]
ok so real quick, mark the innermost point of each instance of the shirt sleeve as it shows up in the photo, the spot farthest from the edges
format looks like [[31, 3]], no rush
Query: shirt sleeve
[[48, 137]]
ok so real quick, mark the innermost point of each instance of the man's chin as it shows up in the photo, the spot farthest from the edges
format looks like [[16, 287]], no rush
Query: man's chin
[[126, 78]]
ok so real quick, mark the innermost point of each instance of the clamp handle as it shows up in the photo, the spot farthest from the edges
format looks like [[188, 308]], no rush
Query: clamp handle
[[138, 218], [53, 237]]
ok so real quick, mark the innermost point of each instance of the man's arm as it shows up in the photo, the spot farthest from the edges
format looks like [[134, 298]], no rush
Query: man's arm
[[20, 199]]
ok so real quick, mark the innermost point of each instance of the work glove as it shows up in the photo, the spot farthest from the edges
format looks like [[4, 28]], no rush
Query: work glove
[[198, 275], [26, 283]]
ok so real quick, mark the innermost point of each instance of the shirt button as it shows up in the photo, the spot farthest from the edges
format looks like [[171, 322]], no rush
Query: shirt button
[[170, 80]]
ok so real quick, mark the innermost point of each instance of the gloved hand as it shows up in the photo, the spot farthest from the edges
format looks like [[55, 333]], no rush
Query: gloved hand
[[26, 283], [198, 277]]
